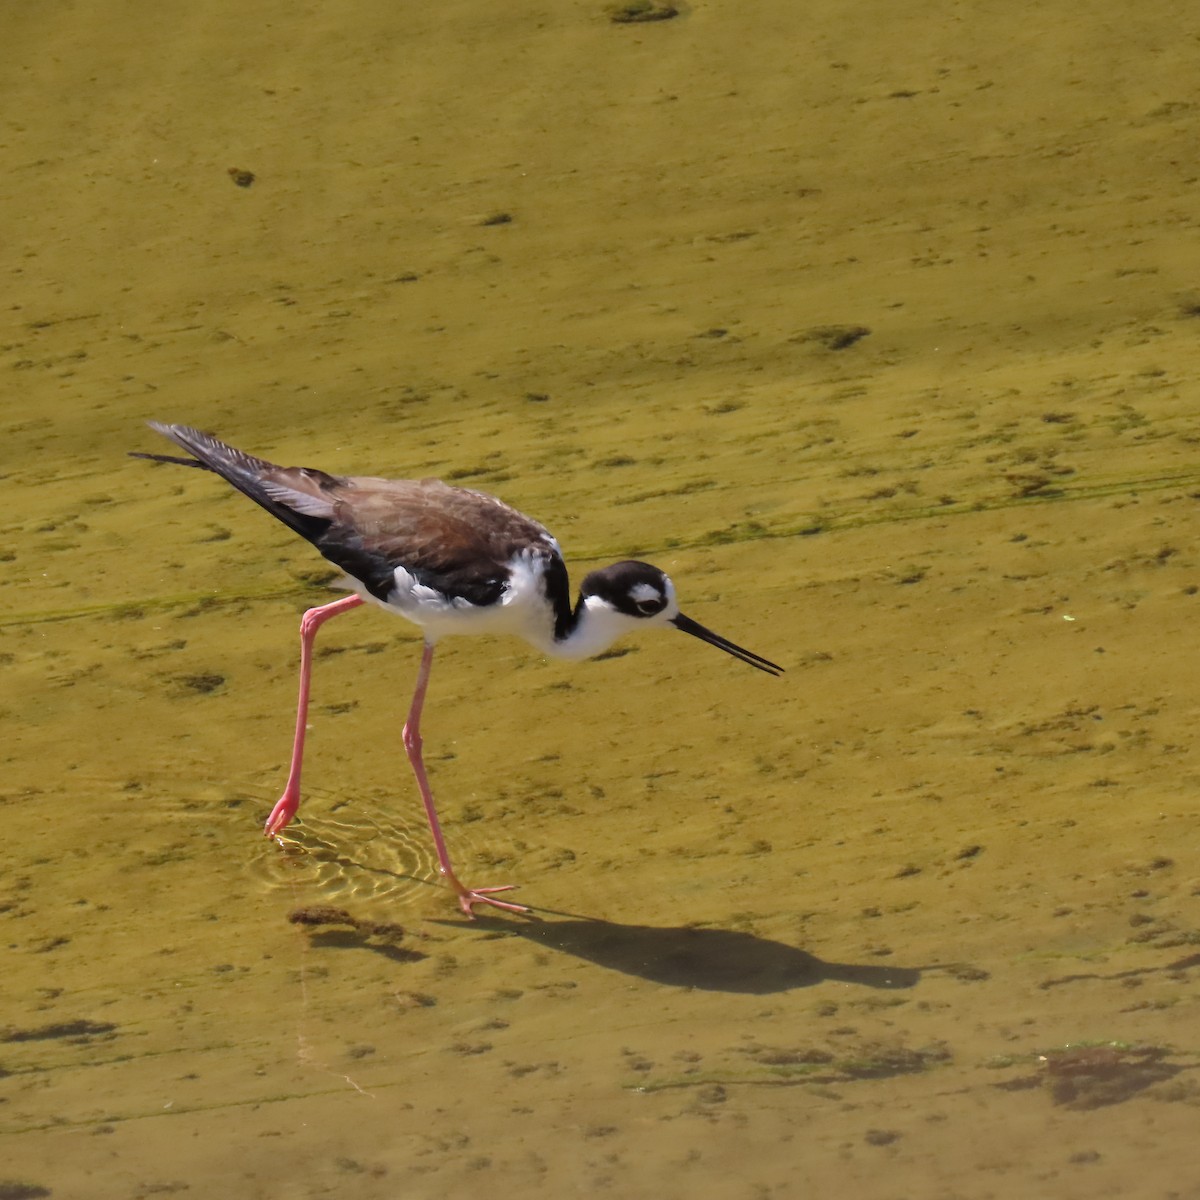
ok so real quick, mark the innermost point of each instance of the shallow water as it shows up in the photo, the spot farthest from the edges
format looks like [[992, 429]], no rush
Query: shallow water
[[827, 933]]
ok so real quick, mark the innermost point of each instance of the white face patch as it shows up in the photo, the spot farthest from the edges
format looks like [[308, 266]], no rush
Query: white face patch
[[641, 592]]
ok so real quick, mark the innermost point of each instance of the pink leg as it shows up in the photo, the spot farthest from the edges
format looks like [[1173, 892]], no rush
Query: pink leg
[[412, 744], [286, 805]]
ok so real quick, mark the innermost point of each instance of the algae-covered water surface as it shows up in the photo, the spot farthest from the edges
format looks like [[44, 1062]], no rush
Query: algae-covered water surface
[[886, 355]]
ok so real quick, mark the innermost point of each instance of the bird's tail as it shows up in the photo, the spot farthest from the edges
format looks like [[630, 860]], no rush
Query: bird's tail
[[292, 495]]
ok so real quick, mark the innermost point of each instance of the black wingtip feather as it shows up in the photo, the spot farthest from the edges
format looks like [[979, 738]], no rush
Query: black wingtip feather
[[170, 458], [243, 471]]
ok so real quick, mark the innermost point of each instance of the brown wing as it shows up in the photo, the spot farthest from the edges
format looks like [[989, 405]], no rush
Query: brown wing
[[458, 541]]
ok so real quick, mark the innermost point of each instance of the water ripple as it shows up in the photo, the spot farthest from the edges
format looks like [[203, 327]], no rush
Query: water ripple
[[359, 856]]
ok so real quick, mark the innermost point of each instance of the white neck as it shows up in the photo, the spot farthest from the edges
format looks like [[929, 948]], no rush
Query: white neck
[[597, 626]]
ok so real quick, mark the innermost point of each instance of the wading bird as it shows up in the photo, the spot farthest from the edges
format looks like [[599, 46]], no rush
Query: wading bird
[[450, 560]]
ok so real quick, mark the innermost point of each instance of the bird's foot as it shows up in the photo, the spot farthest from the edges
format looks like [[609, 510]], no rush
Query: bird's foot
[[469, 896], [283, 812]]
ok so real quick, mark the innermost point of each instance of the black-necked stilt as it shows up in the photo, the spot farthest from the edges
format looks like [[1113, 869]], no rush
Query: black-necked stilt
[[451, 560]]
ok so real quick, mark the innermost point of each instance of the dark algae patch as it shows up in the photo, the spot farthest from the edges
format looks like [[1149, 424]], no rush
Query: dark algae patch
[[13, 1190], [637, 12], [1083, 1077], [60, 1029]]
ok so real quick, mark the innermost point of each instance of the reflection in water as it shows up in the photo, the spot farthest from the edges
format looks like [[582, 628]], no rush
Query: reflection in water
[[324, 922], [715, 960], [358, 939]]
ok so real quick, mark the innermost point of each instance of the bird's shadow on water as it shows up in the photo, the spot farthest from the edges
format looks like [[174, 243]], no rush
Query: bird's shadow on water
[[685, 956]]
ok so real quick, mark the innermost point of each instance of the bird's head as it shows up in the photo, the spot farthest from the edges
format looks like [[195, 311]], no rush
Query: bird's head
[[635, 594]]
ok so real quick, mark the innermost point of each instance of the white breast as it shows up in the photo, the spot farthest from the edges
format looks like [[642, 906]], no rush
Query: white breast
[[521, 611]]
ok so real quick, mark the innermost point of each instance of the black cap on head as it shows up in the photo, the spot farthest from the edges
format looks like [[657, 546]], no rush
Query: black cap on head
[[636, 589]]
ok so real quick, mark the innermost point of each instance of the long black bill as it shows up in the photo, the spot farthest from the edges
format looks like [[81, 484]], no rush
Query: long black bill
[[715, 639]]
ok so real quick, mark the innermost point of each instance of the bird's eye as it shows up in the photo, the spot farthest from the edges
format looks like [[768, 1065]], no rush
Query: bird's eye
[[649, 607]]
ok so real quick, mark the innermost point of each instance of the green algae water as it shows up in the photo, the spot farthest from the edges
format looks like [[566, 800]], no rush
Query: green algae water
[[917, 917]]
